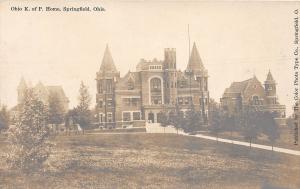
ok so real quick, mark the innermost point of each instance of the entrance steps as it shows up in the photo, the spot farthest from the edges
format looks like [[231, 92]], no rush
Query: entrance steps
[[157, 128]]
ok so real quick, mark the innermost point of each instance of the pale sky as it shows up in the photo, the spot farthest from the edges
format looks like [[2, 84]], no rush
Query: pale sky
[[235, 41]]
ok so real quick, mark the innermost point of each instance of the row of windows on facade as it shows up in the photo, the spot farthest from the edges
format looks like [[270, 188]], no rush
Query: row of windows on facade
[[131, 116], [108, 83], [126, 116], [256, 101], [135, 116], [154, 100], [155, 84], [109, 117]]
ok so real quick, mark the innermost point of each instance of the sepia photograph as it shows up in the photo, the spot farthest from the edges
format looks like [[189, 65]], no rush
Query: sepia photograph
[[159, 94]]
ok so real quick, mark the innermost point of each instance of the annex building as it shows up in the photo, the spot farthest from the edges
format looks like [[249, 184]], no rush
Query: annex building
[[156, 87], [251, 93]]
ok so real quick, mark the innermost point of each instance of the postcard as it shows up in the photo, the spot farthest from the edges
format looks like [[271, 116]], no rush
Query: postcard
[[158, 94]]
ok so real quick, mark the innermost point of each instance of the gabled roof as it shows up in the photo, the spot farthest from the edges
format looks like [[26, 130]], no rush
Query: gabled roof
[[238, 87], [107, 64], [195, 62]]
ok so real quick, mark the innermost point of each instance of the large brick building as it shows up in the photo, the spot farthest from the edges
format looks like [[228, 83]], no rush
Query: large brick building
[[155, 87], [252, 93]]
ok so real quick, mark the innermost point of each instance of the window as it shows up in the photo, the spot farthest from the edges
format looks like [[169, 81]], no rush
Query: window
[[136, 115], [100, 87], [156, 100], [183, 84], [109, 117], [109, 86], [134, 101], [156, 91], [270, 88], [255, 100], [101, 118], [100, 103], [205, 84], [180, 101], [155, 67], [109, 102], [160, 117], [155, 84], [126, 116], [130, 85], [186, 100]]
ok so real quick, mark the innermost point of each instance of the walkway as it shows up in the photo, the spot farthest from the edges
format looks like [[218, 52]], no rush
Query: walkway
[[158, 129]]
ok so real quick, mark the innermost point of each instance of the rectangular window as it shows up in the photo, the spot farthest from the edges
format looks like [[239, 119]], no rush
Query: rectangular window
[[186, 100], [180, 101], [109, 102], [100, 104], [126, 116], [109, 85], [109, 117], [100, 87], [136, 115], [101, 118], [134, 101]]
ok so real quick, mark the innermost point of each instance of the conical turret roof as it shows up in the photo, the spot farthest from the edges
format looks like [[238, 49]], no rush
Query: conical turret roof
[[195, 62], [269, 76], [107, 64], [270, 79]]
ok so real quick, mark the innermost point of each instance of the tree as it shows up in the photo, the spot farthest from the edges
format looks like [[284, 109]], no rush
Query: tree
[[270, 127], [83, 108], [250, 120], [163, 119], [4, 119], [71, 119], [29, 140], [193, 120], [215, 122], [56, 110], [176, 118]]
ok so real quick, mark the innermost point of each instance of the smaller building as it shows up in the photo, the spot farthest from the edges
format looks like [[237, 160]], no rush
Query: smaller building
[[252, 93], [43, 92]]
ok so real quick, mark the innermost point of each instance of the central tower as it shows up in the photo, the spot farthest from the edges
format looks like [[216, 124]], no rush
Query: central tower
[[170, 76]]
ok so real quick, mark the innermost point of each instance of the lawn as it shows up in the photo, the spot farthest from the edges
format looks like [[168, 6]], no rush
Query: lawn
[[155, 161]]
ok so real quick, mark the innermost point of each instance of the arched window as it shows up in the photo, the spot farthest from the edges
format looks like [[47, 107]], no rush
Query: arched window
[[255, 100], [156, 91], [155, 85]]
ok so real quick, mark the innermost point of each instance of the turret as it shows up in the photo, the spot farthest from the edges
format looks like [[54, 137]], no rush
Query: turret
[[106, 79], [270, 89]]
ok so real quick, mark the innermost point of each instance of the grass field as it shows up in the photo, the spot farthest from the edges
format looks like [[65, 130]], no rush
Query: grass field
[[155, 161]]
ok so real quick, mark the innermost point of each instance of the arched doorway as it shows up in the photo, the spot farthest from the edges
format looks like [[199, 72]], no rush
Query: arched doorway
[[151, 117]]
